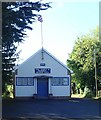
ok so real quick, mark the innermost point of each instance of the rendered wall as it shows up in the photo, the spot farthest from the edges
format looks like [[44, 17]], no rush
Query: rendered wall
[[61, 90], [26, 91], [27, 68]]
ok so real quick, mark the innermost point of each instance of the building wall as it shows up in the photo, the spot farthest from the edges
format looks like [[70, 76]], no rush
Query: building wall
[[26, 91], [61, 90], [27, 69]]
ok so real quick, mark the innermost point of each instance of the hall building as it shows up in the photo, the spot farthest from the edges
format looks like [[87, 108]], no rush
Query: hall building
[[43, 76]]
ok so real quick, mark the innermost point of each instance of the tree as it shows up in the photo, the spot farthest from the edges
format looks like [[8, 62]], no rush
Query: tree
[[81, 59], [16, 18]]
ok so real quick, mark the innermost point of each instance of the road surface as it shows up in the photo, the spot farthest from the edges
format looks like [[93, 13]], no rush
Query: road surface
[[71, 108]]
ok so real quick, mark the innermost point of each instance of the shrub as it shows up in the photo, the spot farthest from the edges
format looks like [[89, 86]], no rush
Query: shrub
[[89, 95]]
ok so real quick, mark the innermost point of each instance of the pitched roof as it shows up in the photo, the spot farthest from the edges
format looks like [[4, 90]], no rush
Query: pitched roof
[[50, 56], [57, 60]]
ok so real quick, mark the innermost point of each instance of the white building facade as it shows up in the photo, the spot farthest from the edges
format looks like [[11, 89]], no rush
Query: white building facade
[[42, 76]]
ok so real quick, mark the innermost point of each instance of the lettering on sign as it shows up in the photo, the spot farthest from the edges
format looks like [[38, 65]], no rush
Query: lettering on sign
[[42, 70]]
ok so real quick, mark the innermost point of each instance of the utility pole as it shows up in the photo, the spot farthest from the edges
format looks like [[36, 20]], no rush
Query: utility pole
[[95, 73]]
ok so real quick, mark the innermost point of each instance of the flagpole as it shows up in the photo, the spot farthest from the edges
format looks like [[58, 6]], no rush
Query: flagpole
[[41, 20], [41, 35], [42, 40]]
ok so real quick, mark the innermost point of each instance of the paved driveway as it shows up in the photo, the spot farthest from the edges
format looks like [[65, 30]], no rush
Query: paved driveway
[[73, 108]]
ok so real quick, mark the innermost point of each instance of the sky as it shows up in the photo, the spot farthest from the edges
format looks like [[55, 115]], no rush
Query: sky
[[62, 25]]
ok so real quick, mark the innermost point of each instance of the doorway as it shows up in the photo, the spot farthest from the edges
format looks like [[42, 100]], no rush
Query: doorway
[[42, 87]]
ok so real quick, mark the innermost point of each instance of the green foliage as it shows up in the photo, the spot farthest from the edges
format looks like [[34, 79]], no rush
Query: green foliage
[[16, 18], [9, 92], [82, 59], [89, 95]]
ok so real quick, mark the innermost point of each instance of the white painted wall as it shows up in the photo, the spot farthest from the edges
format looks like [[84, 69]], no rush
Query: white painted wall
[[60, 90], [26, 69], [49, 86], [24, 91]]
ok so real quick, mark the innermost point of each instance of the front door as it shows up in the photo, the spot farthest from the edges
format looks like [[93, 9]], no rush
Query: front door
[[42, 87]]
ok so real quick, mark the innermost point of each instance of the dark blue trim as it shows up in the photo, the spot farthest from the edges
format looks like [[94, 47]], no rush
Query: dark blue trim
[[63, 84], [27, 81], [60, 77]]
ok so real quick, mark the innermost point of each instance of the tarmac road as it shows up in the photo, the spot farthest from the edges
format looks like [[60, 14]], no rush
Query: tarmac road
[[45, 108]]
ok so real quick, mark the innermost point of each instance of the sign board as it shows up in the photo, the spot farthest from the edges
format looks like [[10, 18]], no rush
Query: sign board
[[42, 64], [42, 70]]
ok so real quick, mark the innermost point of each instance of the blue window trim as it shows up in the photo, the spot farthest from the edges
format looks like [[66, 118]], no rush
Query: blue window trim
[[68, 78], [27, 81]]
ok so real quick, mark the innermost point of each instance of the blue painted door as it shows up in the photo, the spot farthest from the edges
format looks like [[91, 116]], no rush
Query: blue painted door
[[42, 87]]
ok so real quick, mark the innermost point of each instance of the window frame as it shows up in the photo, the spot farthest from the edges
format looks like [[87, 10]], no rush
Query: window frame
[[68, 83], [26, 82]]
